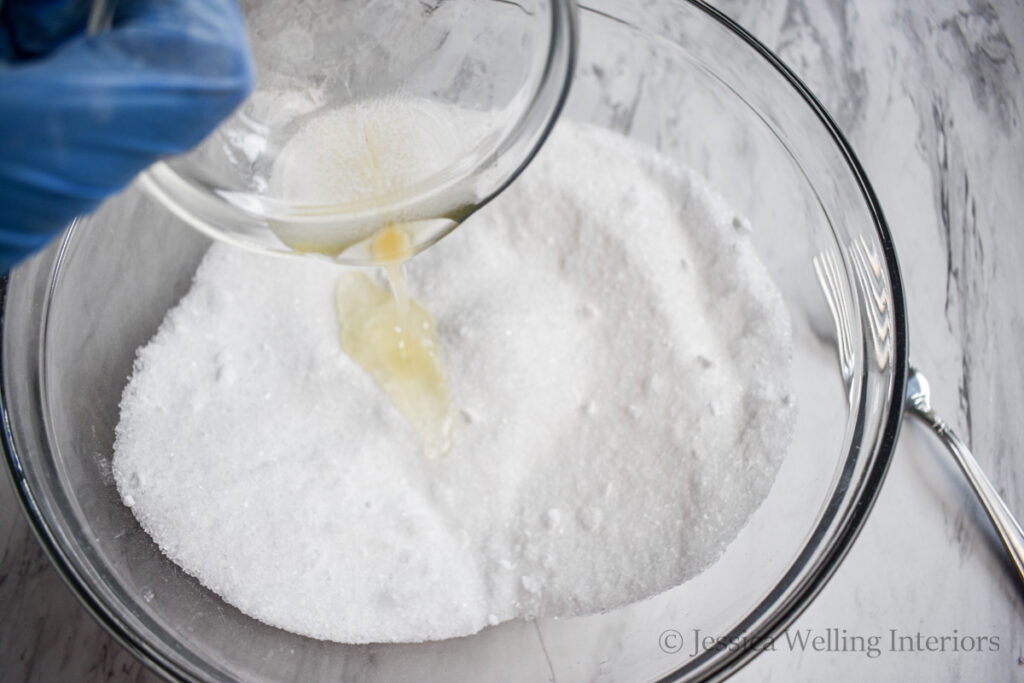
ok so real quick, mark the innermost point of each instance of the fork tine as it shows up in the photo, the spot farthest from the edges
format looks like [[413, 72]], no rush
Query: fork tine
[[820, 262], [846, 339], [826, 268], [869, 278]]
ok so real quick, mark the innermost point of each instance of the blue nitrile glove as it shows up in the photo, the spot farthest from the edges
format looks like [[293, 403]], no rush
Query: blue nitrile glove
[[81, 115]]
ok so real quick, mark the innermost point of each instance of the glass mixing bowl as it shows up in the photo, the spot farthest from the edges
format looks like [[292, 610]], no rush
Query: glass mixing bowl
[[377, 84], [678, 76]]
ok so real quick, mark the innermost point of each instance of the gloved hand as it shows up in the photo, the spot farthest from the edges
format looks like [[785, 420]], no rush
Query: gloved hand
[[81, 115]]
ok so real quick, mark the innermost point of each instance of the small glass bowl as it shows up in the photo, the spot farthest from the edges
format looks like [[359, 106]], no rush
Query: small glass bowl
[[482, 82]]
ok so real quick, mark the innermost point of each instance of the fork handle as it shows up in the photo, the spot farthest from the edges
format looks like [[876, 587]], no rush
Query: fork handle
[[1003, 520]]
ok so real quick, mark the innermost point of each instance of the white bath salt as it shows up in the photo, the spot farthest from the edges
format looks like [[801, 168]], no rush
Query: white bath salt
[[618, 417], [368, 151], [370, 156]]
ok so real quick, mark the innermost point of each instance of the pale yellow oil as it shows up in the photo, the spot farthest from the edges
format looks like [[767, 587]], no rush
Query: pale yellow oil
[[390, 336], [394, 339]]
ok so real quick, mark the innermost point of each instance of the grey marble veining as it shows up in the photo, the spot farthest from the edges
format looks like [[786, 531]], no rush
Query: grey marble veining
[[45, 634], [931, 97], [931, 100]]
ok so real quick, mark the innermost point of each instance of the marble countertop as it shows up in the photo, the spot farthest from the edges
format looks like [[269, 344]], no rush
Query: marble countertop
[[931, 97]]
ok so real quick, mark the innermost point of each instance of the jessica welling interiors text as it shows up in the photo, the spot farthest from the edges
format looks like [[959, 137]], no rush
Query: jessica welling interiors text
[[696, 642]]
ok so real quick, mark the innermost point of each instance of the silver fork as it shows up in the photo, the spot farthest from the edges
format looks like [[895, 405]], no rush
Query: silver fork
[[868, 270]]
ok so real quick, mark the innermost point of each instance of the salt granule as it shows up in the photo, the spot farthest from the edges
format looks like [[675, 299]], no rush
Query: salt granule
[[589, 468]]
